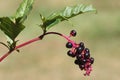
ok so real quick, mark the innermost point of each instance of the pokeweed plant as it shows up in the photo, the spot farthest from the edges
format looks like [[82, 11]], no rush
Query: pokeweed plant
[[12, 26]]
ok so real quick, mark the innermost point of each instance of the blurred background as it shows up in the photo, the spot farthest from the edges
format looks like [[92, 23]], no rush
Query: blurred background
[[47, 59]]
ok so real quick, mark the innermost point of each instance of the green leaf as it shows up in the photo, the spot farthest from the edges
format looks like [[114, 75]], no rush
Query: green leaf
[[9, 28], [65, 14], [23, 10]]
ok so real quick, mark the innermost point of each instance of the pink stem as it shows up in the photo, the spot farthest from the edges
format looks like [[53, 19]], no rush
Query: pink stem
[[68, 38], [4, 56], [64, 36], [36, 39], [26, 43], [19, 46]]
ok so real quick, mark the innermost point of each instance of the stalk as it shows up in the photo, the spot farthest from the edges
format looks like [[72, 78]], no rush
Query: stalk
[[19, 46], [28, 42], [34, 40]]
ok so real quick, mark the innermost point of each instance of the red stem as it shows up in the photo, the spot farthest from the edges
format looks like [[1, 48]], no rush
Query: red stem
[[19, 46], [33, 40], [26, 43], [69, 40], [4, 56]]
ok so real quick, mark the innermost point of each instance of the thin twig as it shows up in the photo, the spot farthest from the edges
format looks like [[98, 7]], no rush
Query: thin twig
[[31, 41], [19, 46], [4, 44]]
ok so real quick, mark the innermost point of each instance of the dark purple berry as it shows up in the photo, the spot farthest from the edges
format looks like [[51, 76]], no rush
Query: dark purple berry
[[86, 55], [81, 67], [73, 33], [79, 50], [69, 45], [87, 50], [81, 44], [71, 54], [82, 61], [79, 56], [76, 62], [91, 60]]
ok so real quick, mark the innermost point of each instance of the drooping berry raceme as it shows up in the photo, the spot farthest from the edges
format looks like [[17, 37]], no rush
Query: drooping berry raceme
[[77, 50], [82, 54]]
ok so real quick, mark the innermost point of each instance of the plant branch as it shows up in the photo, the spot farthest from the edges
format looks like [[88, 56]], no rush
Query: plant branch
[[19, 46], [33, 40], [4, 56], [28, 42], [62, 35]]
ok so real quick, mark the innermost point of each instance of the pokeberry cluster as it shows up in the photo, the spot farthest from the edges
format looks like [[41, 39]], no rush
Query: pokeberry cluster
[[81, 53]]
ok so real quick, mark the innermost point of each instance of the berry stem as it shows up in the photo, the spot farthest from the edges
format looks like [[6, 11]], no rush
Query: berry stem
[[4, 56], [64, 36], [26, 43], [19, 46], [69, 40], [34, 40]]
